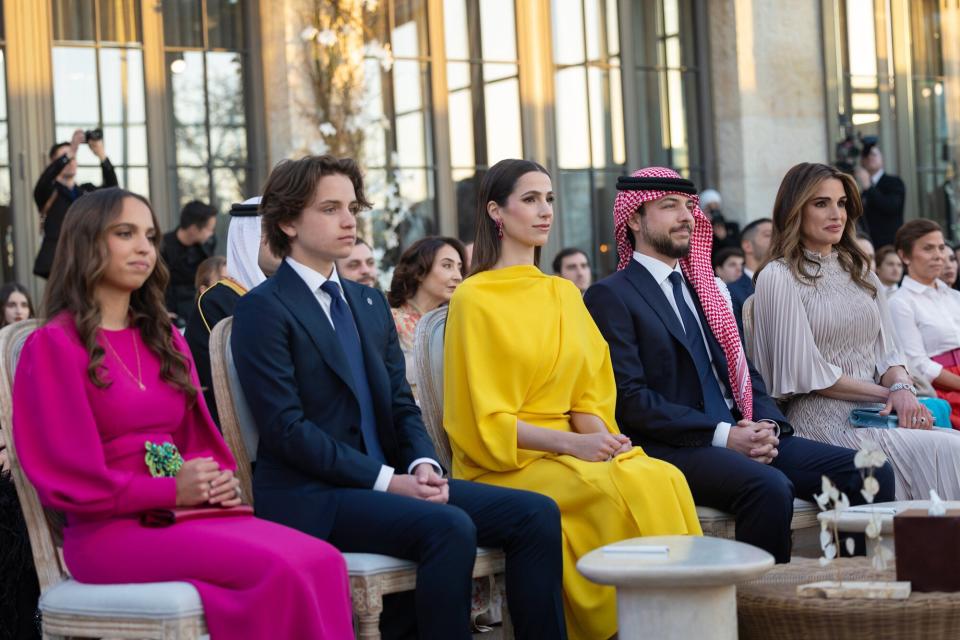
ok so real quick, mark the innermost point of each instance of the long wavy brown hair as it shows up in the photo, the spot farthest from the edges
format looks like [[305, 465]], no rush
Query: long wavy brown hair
[[78, 267], [800, 186]]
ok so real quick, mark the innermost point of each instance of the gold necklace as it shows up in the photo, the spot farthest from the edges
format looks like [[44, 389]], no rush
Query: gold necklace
[[136, 350]]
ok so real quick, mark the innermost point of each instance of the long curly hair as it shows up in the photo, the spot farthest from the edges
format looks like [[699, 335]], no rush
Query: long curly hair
[[79, 265], [415, 265], [799, 186]]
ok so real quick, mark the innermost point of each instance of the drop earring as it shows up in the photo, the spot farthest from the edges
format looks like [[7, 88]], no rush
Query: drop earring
[[499, 224]]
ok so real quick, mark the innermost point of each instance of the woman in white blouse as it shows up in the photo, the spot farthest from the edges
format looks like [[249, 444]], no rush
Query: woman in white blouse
[[926, 312], [824, 341]]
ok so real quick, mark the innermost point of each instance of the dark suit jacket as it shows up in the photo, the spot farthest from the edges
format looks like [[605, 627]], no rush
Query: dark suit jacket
[[659, 396], [739, 292], [297, 381], [49, 190], [883, 209]]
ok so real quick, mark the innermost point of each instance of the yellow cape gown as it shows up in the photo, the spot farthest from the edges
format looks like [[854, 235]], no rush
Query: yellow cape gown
[[521, 345]]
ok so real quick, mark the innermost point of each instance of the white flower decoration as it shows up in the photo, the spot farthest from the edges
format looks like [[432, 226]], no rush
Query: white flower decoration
[[328, 129], [327, 38], [309, 34]]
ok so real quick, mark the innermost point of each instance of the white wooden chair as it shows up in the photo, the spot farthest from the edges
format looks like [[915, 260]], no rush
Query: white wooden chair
[[428, 356], [161, 610], [372, 575]]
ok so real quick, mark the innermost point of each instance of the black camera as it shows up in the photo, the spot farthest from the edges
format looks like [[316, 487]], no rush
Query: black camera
[[93, 134]]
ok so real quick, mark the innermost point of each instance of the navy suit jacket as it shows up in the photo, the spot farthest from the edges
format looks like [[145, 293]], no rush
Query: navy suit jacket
[[297, 381], [659, 396], [739, 292]]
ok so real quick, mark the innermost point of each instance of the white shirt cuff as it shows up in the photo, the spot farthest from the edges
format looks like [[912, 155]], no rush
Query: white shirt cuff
[[413, 465], [929, 369], [721, 433], [383, 479]]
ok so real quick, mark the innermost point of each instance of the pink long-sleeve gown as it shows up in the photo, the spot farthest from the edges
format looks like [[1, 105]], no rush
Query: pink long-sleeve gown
[[83, 449]]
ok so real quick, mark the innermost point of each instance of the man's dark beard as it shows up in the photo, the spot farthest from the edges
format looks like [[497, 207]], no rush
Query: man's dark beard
[[664, 245]]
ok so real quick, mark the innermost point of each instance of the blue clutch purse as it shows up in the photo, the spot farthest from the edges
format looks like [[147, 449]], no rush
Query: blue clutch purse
[[869, 417]]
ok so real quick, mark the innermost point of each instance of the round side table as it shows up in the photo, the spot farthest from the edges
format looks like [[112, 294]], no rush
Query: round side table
[[687, 592]]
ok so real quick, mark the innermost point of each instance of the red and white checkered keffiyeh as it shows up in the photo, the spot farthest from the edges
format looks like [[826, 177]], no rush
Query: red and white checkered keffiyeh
[[698, 271]]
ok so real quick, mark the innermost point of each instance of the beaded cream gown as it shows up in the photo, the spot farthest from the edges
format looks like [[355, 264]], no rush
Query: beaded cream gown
[[807, 335]]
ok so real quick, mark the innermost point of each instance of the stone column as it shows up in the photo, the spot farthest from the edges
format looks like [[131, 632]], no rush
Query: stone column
[[767, 76]]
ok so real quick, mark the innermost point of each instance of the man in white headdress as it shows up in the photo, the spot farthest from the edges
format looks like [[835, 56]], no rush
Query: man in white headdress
[[249, 262]]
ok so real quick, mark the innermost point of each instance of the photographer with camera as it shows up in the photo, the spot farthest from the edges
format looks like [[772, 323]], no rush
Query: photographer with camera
[[56, 190]]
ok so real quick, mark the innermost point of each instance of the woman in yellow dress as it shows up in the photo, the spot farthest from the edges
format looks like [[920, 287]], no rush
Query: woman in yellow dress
[[529, 396]]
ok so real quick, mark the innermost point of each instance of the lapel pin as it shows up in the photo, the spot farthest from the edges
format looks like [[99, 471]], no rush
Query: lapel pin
[[369, 302]]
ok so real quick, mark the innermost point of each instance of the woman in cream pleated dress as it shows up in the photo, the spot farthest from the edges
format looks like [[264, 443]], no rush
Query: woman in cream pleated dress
[[529, 396], [824, 340]]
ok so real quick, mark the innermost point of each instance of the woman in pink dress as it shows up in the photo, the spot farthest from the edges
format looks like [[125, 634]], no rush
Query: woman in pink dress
[[108, 424]]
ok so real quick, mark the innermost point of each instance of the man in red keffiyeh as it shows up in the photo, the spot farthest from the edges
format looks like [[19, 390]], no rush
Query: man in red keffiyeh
[[685, 390]]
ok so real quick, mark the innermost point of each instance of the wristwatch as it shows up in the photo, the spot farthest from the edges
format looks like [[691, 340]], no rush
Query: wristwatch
[[900, 386]]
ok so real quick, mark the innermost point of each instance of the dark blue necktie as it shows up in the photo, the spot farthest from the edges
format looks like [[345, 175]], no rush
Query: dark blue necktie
[[346, 330], [713, 403]]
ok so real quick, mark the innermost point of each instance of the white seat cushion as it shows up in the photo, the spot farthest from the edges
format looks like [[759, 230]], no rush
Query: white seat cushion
[[370, 564], [153, 600], [709, 514]]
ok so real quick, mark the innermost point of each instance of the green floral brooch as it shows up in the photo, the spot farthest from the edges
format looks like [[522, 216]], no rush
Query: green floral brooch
[[163, 460]]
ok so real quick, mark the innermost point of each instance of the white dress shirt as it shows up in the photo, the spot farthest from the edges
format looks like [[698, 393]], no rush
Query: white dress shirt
[[314, 281], [927, 322], [661, 274]]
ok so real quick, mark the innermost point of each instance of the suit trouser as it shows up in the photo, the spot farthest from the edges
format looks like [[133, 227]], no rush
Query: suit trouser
[[761, 496], [442, 539]]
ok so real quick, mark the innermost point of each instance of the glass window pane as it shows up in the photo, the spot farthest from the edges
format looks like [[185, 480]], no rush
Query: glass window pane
[[467, 185], [408, 37], [191, 143], [138, 181], [502, 102], [93, 175], [73, 20], [408, 82], [861, 38], [115, 144], [192, 184], [593, 29], [596, 95], [567, 18], [573, 196], [494, 71], [497, 39], [410, 140], [114, 65], [225, 24], [458, 75], [375, 137], [225, 89], [671, 17], [455, 29], [182, 23], [613, 28], [120, 21], [4, 148], [186, 83], [229, 186], [616, 117], [573, 139], [3, 92], [136, 143], [75, 86], [460, 113], [228, 145]]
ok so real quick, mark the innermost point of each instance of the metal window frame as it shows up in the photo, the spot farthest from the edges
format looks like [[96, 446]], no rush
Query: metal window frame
[[98, 44]]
